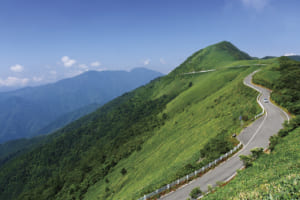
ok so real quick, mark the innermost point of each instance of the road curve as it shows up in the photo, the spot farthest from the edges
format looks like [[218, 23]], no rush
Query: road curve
[[255, 135]]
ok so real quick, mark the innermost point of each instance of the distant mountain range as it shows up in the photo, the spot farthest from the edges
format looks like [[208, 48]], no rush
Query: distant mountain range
[[295, 57], [39, 110]]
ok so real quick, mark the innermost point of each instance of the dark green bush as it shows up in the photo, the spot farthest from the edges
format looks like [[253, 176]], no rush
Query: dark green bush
[[274, 139], [247, 160], [195, 193], [123, 171], [256, 152]]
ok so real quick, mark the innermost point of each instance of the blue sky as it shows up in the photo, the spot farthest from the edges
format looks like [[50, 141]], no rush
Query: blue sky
[[47, 40]]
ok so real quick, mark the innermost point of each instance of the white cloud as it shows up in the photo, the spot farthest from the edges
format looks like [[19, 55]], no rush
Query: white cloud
[[95, 64], [83, 66], [13, 81], [147, 61], [256, 4], [101, 69], [289, 54], [52, 72], [17, 68], [162, 61], [37, 78], [74, 73], [67, 61]]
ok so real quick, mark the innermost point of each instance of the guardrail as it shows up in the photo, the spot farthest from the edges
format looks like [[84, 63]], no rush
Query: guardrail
[[263, 109], [191, 175]]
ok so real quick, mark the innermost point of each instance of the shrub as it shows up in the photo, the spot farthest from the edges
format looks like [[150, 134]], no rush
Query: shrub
[[216, 146], [209, 187], [247, 160], [123, 171], [256, 152], [195, 192], [283, 133], [274, 139], [220, 183]]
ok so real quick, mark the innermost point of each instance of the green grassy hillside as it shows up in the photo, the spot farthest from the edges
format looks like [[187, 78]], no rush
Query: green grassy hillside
[[275, 175], [212, 57], [194, 118], [141, 140]]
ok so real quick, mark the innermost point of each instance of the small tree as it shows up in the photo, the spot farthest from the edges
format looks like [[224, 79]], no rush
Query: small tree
[[209, 187], [123, 171], [247, 160], [195, 192], [256, 152]]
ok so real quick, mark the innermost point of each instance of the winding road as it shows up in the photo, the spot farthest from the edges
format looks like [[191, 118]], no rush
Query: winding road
[[255, 135]]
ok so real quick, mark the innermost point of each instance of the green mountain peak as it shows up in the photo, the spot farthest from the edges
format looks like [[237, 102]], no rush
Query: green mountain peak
[[212, 57]]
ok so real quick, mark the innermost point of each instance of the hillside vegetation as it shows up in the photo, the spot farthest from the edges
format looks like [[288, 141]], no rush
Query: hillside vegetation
[[212, 57], [141, 140], [275, 175]]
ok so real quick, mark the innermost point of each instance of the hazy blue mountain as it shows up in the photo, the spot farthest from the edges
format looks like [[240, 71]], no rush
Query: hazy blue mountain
[[26, 111], [67, 118], [295, 57], [268, 57]]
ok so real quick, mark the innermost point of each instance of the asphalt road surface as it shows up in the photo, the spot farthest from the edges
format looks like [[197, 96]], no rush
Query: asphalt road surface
[[255, 135]]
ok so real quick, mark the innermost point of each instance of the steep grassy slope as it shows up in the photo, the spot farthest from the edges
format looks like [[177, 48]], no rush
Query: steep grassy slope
[[194, 117], [138, 141], [275, 175]]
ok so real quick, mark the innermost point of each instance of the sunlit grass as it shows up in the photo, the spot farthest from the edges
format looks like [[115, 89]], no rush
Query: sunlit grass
[[195, 116]]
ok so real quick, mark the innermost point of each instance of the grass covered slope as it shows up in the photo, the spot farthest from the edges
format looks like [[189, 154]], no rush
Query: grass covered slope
[[212, 57], [275, 175], [194, 118], [139, 141]]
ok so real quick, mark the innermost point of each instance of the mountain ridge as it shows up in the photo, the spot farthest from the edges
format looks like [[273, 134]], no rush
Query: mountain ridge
[[212, 57], [26, 111]]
